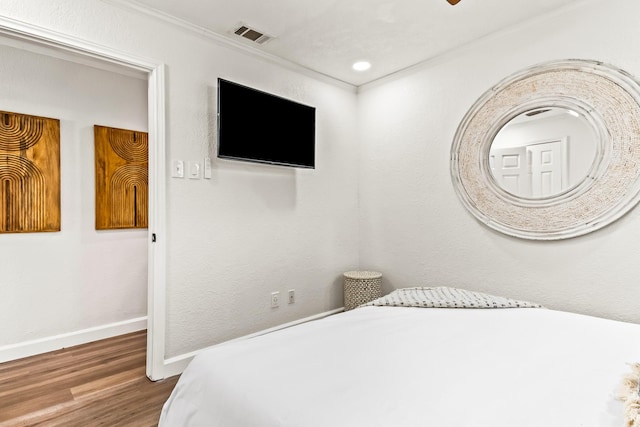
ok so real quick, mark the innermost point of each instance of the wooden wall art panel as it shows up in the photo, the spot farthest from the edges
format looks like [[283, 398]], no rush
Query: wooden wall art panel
[[29, 173], [121, 160]]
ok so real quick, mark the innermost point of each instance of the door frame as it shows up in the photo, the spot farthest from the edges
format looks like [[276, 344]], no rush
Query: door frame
[[155, 70]]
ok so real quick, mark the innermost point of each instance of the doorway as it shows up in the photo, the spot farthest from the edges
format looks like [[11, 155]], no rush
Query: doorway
[[87, 52]]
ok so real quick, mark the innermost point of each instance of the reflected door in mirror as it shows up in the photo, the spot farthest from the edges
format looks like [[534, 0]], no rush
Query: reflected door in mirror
[[511, 170], [535, 170], [543, 152]]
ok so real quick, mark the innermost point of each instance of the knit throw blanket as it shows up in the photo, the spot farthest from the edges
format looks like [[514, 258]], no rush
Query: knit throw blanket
[[445, 297], [630, 395]]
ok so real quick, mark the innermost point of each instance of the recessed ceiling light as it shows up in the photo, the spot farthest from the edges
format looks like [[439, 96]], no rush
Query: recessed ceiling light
[[361, 66]]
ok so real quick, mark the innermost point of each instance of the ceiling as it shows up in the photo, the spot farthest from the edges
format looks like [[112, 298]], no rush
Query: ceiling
[[328, 36]]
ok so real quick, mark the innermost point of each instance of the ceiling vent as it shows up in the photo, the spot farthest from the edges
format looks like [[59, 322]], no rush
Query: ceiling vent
[[252, 34]]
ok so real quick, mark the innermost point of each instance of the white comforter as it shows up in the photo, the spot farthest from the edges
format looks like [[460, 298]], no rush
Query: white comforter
[[390, 366]]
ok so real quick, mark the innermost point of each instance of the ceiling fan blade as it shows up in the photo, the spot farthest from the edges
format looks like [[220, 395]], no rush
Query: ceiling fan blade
[[453, 2]]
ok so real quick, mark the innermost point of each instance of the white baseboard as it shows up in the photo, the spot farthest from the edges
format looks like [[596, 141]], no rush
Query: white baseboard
[[176, 365], [56, 342]]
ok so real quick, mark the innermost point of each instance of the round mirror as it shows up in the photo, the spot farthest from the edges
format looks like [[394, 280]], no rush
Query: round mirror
[[544, 152], [551, 152]]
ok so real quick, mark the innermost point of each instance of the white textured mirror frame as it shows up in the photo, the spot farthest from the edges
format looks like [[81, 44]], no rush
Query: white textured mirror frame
[[607, 97]]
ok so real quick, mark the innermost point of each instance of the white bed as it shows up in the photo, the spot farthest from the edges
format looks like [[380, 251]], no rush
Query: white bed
[[408, 366]]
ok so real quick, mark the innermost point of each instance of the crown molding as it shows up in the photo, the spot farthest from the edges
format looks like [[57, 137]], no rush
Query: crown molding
[[135, 6]]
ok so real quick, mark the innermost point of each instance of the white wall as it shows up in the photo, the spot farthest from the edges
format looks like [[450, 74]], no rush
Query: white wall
[[78, 278], [251, 229], [416, 231]]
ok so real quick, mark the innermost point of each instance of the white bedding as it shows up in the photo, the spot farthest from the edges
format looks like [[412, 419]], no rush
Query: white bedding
[[390, 366]]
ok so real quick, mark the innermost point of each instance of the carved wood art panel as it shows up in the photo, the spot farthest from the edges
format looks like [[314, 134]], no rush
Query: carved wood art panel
[[121, 161], [29, 173]]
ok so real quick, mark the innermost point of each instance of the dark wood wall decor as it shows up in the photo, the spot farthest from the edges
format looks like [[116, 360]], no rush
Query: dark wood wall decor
[[29, 173], [121, 160]]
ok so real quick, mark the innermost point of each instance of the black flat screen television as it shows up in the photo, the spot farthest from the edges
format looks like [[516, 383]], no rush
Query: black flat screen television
[[256, 126]]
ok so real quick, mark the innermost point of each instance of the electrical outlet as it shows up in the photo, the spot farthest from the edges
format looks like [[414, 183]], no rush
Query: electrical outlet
[[275, 299], [292, 296]]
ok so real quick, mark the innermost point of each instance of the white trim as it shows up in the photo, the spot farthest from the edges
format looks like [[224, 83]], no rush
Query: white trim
[[56, 342], [176, 365], [157, 185], [66, 55], [156, 298], [35, 34]]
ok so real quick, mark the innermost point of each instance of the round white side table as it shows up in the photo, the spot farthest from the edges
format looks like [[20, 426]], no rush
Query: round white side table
[[361, 287]]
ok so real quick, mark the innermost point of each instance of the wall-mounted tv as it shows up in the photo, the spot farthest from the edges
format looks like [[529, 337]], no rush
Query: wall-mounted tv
[[256, 126]]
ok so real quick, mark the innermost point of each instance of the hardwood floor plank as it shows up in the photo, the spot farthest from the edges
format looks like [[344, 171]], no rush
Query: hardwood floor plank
[[137, 339], [100, 385], [96, 384], [16, 409], [66, 377], [109, 409]]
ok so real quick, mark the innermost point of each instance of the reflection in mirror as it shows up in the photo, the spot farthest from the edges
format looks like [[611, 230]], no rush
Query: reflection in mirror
[[543, 152], [600, 172]]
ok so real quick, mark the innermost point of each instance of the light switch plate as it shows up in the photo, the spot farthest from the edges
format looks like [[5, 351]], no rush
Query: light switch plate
[[207, 168], [194, 170], [177, 169]]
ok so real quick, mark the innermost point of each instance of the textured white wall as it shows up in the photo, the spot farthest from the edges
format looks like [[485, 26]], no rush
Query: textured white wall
[[416, 231], [251, 229], [78, 278]]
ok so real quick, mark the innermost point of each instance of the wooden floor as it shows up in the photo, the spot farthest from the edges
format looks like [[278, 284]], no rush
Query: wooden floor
[[97, 384]]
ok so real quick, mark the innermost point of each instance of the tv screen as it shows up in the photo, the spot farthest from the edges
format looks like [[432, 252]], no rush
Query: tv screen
[[256, 126]]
